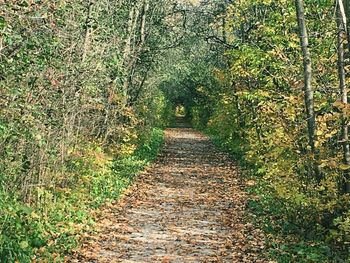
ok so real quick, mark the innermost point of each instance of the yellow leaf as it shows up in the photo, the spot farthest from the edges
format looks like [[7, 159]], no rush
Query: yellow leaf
[[339, 104], [34, 215], [344, 167]]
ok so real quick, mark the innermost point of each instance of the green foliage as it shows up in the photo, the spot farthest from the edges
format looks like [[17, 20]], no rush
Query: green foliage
[[51, 227], [83, 84], [249, 98], [289, 240], [77, 99], [20, 231]]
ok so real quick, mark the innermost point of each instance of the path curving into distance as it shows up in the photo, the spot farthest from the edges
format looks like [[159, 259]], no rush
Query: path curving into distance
[[186, 207]]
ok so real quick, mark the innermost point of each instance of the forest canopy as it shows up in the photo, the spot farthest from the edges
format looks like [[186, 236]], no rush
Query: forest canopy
[[86, 86]]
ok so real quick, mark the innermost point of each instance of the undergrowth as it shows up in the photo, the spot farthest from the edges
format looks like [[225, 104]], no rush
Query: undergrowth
[[290, 237], [50, 229]]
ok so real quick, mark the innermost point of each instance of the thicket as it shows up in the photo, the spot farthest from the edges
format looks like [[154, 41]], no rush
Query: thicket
[[78, 106], [83, 83], [249, 93]]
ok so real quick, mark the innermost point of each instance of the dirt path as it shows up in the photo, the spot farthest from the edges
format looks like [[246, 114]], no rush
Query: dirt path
[[187, 207]]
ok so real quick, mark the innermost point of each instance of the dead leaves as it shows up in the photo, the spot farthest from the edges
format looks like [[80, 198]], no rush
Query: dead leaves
[[166, 259], [188, 207]]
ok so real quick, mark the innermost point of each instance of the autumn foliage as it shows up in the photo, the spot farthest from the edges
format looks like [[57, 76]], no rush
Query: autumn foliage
[[84, 85], [258, 113]]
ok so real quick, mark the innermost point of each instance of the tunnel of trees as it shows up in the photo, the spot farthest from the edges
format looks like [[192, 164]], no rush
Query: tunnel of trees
[[87, 86]]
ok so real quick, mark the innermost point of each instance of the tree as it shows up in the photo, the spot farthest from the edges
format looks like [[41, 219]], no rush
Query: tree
[[342, 38], [308, 91]]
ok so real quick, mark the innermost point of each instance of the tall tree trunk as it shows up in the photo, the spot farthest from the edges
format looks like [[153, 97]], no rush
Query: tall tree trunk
[[342, 37], [138, 49], [346, 6], [133, 15], [308, 90], [88, 31], [143, 22]]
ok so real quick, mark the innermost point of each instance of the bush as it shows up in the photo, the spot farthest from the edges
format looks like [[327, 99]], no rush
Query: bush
[[50, 227]]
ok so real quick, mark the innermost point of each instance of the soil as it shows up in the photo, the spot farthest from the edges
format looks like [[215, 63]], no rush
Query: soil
[[189, 206]]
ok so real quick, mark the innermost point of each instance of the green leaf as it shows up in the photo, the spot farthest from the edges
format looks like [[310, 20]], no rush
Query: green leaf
[[24, 245], [2, 22]]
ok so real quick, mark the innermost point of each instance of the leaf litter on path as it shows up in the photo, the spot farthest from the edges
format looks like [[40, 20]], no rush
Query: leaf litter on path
[[189, 206]]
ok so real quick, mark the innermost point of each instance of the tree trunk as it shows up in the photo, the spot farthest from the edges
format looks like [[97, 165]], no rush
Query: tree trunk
[[346, 6], [308, 91], [88, 31], [133, 14], [342, 36], [131, 67]]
